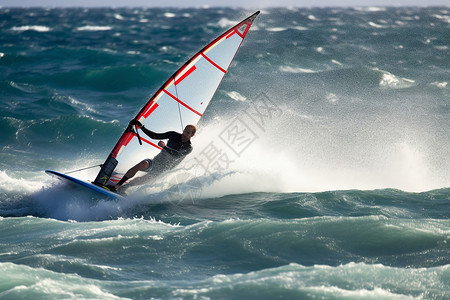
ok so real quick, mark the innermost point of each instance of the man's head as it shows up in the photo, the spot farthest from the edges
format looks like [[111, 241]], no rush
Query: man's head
[[188, 132]]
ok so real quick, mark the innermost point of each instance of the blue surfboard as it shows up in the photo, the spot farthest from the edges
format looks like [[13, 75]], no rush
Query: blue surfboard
[[84, 184]]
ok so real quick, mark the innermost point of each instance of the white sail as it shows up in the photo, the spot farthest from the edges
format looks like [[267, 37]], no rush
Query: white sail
[[180, 101]]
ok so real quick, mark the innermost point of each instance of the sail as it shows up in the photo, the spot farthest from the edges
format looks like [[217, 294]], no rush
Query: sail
[[180, 101]]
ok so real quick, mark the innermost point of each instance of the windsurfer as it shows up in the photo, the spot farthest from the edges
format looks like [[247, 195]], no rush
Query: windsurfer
[[178, 146]]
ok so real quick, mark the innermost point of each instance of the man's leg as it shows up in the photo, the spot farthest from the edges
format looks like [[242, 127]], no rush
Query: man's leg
[[143, 165]]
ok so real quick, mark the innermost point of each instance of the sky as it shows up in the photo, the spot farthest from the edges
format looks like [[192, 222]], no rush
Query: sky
[[232, 3]]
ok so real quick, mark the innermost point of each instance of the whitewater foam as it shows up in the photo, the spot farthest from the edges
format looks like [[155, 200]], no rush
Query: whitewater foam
[[236, 96], [225, 23], [389, 80], [94, 28], [11, 183], [169, 15], [37, 28], [276, 29], [441, 85], [290, 69]]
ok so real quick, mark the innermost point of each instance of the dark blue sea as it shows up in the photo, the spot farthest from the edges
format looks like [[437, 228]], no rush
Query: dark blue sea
[[320, 169]]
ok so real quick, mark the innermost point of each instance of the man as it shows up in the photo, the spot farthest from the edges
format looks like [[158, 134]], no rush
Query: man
[[178, 146]]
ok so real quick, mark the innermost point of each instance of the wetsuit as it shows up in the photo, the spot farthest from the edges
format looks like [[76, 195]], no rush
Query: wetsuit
[[174, 146], [169, 157]]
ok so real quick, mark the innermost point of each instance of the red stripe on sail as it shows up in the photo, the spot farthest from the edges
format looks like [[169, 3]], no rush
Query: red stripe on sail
[[151, 109], [213, 63], [127, 139], [182, 103], [230, 34], [192, 69], [150, 143]]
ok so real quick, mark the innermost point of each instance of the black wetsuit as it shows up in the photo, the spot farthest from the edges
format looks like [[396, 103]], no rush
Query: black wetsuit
[[174, 146], [169, 157]]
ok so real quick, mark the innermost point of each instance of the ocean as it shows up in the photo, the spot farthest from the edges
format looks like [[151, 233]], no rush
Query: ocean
[[320, 169]]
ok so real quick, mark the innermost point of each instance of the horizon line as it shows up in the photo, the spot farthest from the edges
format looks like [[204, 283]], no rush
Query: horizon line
[[218, 6]]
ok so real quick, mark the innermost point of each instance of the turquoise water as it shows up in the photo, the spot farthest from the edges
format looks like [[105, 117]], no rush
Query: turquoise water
[[338, 187]]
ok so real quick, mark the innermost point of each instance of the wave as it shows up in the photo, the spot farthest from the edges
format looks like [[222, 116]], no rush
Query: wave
[[108, 79], [184, 188], [251, 244], [276, 29], [289, 69], [37, 28], [94, 28], [389, 80], [64, 132], [10, 183], [256, 257], [350, 281], [25, 282]]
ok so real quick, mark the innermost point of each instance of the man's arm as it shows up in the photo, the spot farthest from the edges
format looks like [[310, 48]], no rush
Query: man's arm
[[152, 134], [156, 136]]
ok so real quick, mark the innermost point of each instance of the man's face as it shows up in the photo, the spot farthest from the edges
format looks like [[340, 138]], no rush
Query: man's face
[[188, 132]]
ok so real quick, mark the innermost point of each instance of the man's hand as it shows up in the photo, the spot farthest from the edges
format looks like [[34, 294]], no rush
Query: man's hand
[[135, 122]]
